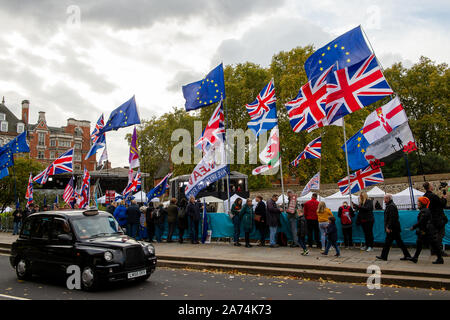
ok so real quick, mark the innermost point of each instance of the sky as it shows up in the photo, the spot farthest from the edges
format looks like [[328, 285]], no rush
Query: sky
[[83, 58]]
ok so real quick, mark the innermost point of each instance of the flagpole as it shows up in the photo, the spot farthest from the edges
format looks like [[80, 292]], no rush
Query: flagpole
[[226, 155], [346, 159]]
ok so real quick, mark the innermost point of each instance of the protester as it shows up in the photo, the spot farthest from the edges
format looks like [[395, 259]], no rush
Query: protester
[[273, 219], [150, 222], [332, 236], [133, 218], [17, 221], [310, 211], [159, 216], [235, 210], [292, 216], [182, 220], [247, 218], [426, 232], [111, 207], [302, 230], [261, 220], [323, 213], [438, 217], [193, 211], [365, 219], [120, 214], [378, 206], [142, 223], [172, 214], [393, 229], [346, 214]]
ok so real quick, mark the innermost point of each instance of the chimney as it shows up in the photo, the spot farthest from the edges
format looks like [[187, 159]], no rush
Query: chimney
[[25, 111], [41, 117]]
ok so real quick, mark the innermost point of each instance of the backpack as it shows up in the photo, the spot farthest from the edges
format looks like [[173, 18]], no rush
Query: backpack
[[282, 239]]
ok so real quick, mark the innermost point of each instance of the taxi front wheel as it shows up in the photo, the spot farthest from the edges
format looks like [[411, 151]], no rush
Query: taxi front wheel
[[89, 279], [23, 269]]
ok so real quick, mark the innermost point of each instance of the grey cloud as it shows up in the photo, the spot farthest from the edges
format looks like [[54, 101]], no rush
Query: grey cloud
[[260, 43], [388, 59], [124, 14], [182, 78]]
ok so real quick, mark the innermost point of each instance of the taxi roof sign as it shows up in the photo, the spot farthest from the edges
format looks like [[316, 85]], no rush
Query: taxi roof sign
[[92, 211]]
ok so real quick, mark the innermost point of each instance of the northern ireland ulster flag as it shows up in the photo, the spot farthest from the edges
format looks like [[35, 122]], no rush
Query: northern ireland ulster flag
[[384, 120]]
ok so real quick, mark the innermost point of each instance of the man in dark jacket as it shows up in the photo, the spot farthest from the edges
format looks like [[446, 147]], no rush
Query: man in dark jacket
[[172, 214], [133, 219], [159, 216], [261, 220], [438, 217], [112, 207], [273, 219], [150, 221], [193, 211], [182, 220], [393, 229]]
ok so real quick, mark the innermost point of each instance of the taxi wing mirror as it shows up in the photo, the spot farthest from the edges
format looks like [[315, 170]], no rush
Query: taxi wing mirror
[[65, 237]]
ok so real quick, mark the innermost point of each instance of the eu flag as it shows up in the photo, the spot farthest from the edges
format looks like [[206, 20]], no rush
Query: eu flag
[[356, 149], [347, 49], [205, 92], [160, 189], [4, 173], [124, 116], [6, 159], [16, 145]]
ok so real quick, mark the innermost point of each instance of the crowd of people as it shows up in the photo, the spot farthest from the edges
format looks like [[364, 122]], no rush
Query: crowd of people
[[310, 223]]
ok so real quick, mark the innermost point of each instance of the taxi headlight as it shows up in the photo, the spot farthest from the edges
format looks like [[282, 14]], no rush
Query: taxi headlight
[[151, 249], [108, 256]]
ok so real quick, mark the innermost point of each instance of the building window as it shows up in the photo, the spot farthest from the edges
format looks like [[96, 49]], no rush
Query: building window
[[41, 139], [2, 117], [41, 155], [77, 157], [20, 127], [53, 143], [78, 167], [77, 146], [64, 143], [52, 155], [4, 126]]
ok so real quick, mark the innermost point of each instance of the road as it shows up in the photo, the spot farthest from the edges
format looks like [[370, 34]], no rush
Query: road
[[181, 284]]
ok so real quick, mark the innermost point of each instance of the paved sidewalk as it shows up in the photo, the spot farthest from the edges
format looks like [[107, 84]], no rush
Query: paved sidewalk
[[351, 260]]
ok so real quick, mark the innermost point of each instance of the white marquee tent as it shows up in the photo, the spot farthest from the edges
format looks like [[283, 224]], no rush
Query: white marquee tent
[[335, 200], [404, 197], [102, 200]]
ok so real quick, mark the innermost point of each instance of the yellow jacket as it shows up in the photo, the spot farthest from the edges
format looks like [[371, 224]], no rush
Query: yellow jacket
[[323, 216]]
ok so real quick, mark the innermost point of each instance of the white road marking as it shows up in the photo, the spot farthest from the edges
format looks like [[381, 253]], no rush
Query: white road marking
[[12, 297]]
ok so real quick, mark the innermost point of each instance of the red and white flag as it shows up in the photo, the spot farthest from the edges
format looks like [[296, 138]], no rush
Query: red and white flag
[[383, 120]]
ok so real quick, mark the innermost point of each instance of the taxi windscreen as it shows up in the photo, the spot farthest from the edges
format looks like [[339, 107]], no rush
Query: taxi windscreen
[[95, 226]]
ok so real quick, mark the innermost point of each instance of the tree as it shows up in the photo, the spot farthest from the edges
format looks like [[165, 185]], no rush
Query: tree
[[9, 186]]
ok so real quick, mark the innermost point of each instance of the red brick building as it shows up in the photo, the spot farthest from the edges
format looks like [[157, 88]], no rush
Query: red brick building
[[48, 143]]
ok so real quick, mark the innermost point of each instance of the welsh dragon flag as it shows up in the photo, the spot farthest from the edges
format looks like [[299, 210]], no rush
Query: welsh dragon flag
[[270, 156]]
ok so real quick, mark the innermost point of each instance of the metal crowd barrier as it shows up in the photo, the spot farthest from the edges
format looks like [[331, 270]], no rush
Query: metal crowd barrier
[[6, 224]]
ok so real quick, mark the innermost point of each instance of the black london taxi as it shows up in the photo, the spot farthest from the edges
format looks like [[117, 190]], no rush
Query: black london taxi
[[50, 242]]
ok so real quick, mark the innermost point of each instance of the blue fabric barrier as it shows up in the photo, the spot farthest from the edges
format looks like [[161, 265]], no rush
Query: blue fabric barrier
[[222, 227]]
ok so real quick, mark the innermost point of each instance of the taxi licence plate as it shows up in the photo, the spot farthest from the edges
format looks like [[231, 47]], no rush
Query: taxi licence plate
[[136, 274]]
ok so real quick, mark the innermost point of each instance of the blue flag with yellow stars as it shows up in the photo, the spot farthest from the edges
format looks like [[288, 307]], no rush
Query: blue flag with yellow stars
[[17, 145], [6, 160], [160, 189], [124, 116], [356, 150], [347, 49], [4, 173], [205, 92]]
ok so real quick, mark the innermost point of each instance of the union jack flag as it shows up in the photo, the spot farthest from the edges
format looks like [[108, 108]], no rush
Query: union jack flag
[[214, 131], [134, 186], [308, 107], [84, 195], [312, 151], [98, 139], [352, 88], [69, 194], [313, 184], [263, 111], [360, 180], [29, 194], [61, 165]]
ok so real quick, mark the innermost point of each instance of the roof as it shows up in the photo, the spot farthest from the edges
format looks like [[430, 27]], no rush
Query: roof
[[65, 213], [10, 118]]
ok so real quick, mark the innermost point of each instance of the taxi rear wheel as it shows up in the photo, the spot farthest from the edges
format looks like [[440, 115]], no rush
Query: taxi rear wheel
[[89, 279], [23, 269]]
